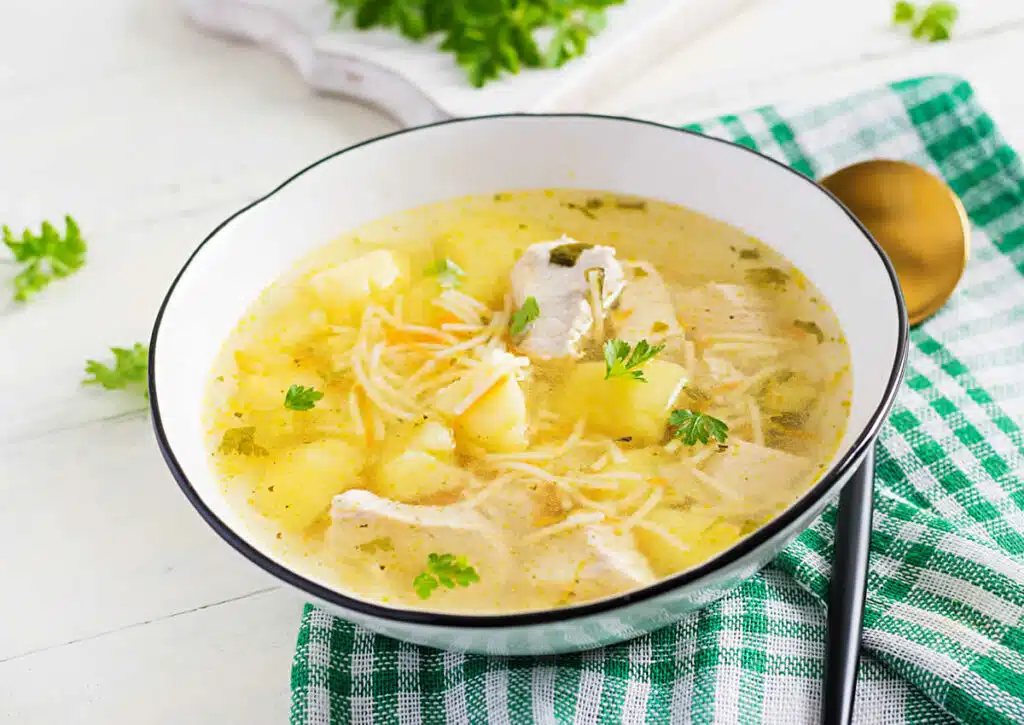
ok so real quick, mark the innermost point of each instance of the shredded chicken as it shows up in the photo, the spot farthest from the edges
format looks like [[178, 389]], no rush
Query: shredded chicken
[[562, 293]]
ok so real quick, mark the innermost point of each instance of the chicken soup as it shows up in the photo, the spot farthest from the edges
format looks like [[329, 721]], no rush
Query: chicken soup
[[526, 400]]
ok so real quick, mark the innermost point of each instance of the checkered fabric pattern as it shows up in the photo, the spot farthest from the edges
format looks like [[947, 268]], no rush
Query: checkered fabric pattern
[[944, 630]]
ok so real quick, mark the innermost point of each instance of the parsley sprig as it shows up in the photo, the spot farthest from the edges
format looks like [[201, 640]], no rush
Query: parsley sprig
[[693, 427], [620, 362], [301, 398], [448, 273], [524, 316], [130, 370], [45, 257], [445, 570], [489, 37], [931, 23]]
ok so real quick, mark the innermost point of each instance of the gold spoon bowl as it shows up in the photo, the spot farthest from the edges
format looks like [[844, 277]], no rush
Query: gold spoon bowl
[[919, 222]]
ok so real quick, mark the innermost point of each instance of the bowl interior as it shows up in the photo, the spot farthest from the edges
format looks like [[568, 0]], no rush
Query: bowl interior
[[408, 169]]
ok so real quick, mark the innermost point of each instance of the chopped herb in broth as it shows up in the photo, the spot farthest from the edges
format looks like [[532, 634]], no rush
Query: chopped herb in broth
[[458, 408], [584, 210], [242, 442], [768, 277], [566, 255], [811, 328]]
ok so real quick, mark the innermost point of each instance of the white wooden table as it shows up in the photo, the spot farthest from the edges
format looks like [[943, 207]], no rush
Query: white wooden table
[[117, 604]]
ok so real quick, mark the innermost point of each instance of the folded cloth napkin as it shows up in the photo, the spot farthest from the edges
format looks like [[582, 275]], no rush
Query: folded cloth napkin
[[944, 629]]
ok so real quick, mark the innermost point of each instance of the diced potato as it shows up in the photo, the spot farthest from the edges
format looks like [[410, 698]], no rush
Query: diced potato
[[415, 475], [497, 421], [417, 462], [340, 286], [299, 484], [623, 407], [698, 530]]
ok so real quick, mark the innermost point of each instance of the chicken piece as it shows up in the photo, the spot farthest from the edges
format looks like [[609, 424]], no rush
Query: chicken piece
[[586, 562], [756, 474], [724, 309], [400, 537], [518, 507], [645, 310], [555, 275]]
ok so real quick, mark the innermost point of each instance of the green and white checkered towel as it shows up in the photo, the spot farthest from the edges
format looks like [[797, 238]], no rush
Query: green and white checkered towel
[[944, 630]]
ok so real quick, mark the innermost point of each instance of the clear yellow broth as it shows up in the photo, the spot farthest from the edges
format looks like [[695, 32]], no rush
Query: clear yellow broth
[[559, 486]]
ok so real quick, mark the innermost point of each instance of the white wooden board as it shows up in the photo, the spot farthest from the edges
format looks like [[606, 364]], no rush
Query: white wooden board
[[416, 84]]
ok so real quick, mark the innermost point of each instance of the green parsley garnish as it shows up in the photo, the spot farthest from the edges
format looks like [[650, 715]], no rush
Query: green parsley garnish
[[767, 277], [45, 257], [381, 543], [931, 23], [241, 441], [693, 427], [445, 570], [567, 255], [522, 317], [130, 371], [811, 328], [489, 38], [300, 398], [621, 363], [447, 272]]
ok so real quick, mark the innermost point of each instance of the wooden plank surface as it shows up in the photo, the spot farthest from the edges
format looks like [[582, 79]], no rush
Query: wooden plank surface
[[118, 604]]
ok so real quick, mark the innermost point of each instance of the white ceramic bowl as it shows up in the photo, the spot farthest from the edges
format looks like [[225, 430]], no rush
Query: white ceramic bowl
[[497, 153]]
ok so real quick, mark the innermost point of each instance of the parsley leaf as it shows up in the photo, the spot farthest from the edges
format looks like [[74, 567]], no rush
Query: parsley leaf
[[489, 38], [447, 272], [45, 257], [933, 23], [903, 12], [300, 398], [525, 315], [445, 570], [381, 543], [693, 427], [130, 371], [620, 363], [811, 328], [767, 277]]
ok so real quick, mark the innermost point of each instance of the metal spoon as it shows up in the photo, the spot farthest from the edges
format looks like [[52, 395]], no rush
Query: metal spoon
[[923, 228]]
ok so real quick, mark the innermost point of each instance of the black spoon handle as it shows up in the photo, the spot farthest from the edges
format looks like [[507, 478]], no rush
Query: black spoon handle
[[846, 594]]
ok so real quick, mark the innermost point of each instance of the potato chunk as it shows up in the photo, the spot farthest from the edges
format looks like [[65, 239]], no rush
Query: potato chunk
[[624, 408], [698, 530], [497, 421], [300, 483], [419, 464], [339, 286]]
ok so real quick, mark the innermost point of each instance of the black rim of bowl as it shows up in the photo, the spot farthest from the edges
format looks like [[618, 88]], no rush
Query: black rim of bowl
[[745, 546]]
